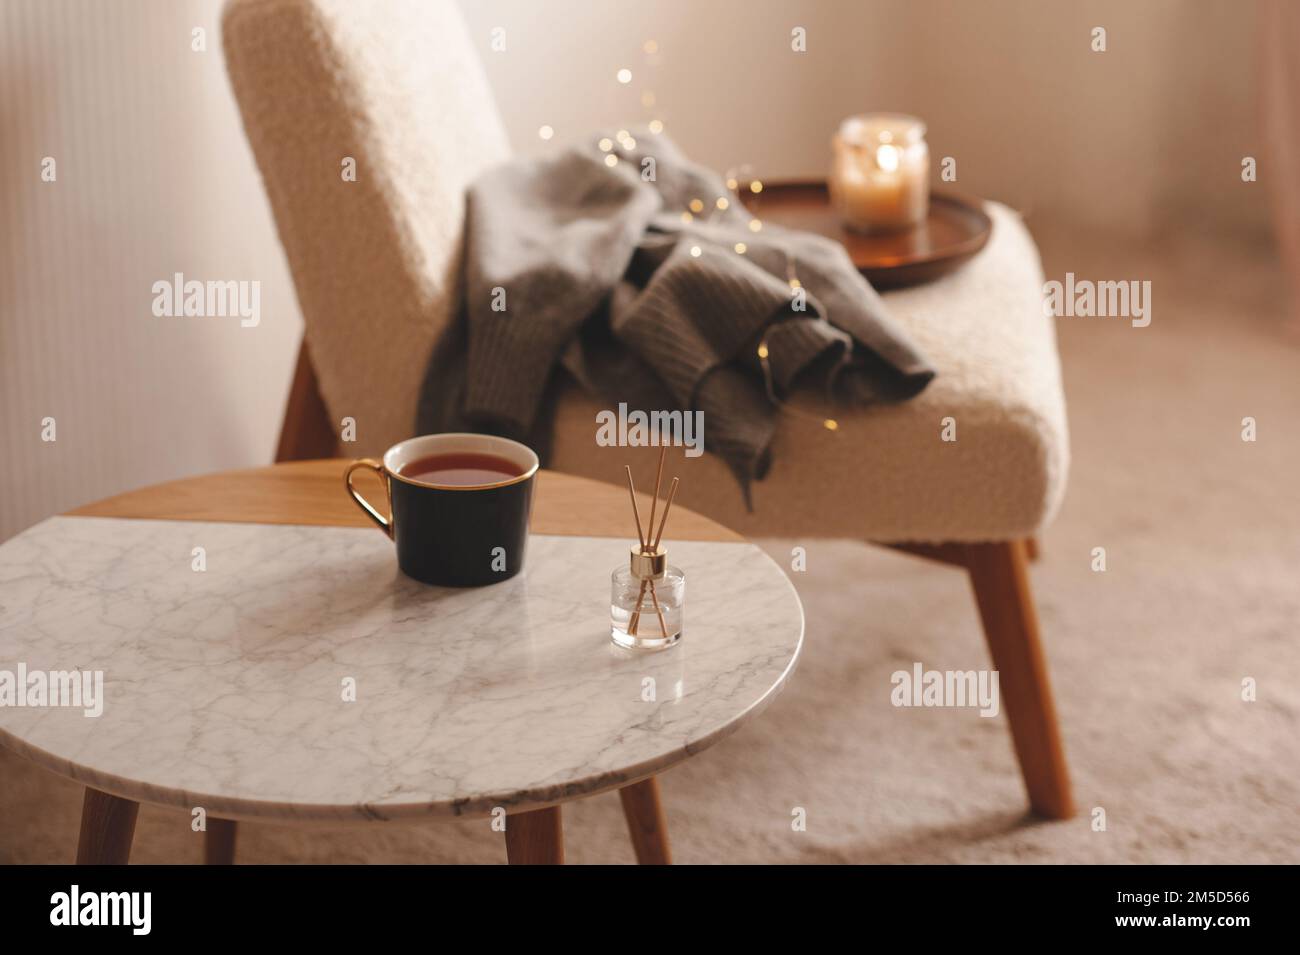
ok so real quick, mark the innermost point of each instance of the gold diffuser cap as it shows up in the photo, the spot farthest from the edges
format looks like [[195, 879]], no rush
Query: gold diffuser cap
[[649, 566]]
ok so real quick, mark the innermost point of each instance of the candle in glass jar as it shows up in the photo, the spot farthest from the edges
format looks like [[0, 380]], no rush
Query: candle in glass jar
[[880, 174]]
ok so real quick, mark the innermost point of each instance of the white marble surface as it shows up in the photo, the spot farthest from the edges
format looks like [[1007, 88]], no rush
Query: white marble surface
[[223, 688]]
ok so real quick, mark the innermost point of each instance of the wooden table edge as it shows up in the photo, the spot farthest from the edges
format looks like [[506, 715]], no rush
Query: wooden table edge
[[312, 493]]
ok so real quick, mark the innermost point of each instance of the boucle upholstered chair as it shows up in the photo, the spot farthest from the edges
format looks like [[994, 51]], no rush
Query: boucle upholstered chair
[[398, 88]]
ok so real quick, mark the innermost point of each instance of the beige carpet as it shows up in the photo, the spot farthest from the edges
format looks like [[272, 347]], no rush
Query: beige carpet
[[1202, 533]]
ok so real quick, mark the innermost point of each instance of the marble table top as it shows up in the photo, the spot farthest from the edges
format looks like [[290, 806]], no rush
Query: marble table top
[[225, 687]]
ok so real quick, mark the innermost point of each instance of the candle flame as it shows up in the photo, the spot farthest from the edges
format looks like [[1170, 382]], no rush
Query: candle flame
[[887, 157]]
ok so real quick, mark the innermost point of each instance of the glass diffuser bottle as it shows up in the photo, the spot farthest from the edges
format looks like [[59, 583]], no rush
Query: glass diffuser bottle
[[648, 595], [646, 602]]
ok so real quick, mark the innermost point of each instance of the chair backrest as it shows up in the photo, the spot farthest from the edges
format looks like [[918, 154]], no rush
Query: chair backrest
[[395, 92]]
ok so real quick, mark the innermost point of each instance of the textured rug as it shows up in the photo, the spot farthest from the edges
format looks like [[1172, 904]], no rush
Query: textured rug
[[1202, 539]]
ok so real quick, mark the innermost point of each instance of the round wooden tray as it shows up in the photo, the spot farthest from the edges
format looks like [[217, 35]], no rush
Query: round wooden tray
[[955, 230]]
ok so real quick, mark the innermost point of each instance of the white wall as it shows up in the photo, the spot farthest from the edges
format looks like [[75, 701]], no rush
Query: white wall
[[1146, 133], [155, 176]]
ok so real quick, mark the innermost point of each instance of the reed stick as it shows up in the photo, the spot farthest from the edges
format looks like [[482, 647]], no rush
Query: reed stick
[[654, 501], [663, 522], [636, 511], [647, 547], [636, 614], [672, 492], [663, 627]]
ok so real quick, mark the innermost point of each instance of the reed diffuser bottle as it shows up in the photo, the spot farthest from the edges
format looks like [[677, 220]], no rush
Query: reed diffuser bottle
[[646, 602], [648, 596]]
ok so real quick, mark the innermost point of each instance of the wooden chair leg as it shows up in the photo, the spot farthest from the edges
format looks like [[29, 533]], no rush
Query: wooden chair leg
[[645, 822], [1031, 548], [307, 431], [535, 838], [997, 573], [219, 842], [107, 828]]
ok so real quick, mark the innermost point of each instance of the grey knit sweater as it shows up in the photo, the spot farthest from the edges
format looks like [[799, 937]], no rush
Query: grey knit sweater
[[576, 267]]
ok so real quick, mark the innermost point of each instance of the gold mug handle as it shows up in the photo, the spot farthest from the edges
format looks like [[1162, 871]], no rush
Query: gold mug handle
[[385, 523]]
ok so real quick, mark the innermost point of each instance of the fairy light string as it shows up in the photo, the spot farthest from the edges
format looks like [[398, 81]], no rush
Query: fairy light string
[[737, 179]]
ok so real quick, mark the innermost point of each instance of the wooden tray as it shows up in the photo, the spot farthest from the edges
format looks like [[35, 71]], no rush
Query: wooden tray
[[956, 229]]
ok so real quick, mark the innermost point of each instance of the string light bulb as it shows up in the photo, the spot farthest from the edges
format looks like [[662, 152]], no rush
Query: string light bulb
[[829, 424], [721, 204]]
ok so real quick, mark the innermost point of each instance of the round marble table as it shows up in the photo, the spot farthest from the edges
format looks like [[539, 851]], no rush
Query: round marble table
[[263, 658]]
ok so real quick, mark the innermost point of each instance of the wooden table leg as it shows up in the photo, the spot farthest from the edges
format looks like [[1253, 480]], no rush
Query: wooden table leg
[[107, 827], [535, 838], [219, 842], [645, 822]]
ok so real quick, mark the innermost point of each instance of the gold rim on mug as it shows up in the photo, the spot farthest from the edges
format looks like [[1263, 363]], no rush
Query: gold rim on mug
[[470, 487]]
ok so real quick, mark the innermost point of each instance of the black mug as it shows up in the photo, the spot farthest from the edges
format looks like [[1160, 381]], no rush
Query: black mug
[[455, 535]]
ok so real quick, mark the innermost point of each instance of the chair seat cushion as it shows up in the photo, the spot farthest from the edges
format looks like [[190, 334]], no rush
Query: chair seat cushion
[[887, 474]]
